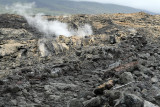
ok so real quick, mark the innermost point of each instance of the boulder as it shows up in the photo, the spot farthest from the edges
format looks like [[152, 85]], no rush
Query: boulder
[[130, 100], [149, 104], [126, 77], [75, 103], [157, 99], [112, 40], [10, 48], [94, 102]]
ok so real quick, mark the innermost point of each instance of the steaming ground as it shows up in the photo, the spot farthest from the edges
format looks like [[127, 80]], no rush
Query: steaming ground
[[117, 66], [48, 28]]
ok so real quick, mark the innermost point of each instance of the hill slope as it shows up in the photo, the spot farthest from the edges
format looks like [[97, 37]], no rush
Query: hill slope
[[71, 7]]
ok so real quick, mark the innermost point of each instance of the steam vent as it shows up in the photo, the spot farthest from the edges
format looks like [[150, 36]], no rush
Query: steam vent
[[107, 60]]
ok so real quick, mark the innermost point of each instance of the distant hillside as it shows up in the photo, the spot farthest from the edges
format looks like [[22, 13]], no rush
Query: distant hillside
[[70, 7]]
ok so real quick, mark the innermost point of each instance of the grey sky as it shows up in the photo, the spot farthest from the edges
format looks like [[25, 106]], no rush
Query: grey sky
[[150, 5]]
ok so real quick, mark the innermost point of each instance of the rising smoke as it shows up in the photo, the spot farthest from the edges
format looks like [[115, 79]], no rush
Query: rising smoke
[[48, 28]]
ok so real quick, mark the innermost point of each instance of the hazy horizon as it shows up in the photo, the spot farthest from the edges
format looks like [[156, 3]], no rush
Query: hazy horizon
[[148, 5], [66, 7]]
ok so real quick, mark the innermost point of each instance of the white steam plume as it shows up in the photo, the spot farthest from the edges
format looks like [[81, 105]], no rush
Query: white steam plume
[[83, 30], [47, 27]]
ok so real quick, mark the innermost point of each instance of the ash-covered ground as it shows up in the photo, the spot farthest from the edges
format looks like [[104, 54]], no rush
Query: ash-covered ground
[[117, 66]]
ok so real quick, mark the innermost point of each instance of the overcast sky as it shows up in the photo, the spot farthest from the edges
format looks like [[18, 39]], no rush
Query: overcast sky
[[150, 5]]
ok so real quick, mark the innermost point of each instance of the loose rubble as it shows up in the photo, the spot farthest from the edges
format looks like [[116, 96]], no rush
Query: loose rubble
[[117, 66]]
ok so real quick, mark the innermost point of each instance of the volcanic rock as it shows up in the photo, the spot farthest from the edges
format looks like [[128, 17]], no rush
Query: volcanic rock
[[130, 100], [75, 103], [126, 77], [94, 102], [121, 56], [149, 104]]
